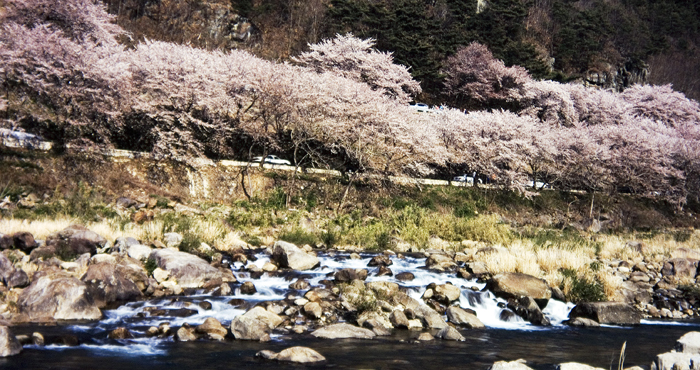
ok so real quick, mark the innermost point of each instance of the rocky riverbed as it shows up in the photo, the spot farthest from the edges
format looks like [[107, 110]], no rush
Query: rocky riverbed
[[125, 293]]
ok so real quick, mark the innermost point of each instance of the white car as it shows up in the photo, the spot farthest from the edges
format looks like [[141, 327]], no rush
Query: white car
[[273, 159], [465, 178], [422, 108]]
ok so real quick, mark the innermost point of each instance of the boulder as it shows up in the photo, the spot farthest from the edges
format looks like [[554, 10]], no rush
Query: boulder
[[288, 255], [248, 288], [270, 319], [212, 328], [343, 330], [384, 271], [108, 282], [250, 328], [383, 289], [446, 293], [120, 333], [18, 279], [680, 268], [380, 260], [613, 313], [300, 284], [376, 326], [676, 361], [398, 319], [582, 321], [313, 310], [449, 333], [302, 355], [122, 244], [347, 275], [440, 262], [186, 334], [23, 241], [188, 270], [55, 295], [512, 365], [516, 285], [172, 240], [576, 366], [405, 276], [70, 243], [689, 343], [458, 316], [9, 346], [139, 252], [527, 308], [425, 337], [429, 317], [6, 268]]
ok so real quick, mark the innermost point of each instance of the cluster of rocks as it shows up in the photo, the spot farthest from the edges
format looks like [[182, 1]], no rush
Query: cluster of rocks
[[89, 274], [685, 355], [660, 288]]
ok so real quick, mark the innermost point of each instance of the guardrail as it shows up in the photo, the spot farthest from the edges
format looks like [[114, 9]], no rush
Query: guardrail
[[34, 144]]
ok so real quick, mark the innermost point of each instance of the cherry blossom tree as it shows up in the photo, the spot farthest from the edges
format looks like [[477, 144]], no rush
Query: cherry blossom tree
[[356, 59], [662, 103], [474, 78]]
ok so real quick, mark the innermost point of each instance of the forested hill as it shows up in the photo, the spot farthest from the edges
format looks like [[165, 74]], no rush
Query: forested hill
[[606, 42]]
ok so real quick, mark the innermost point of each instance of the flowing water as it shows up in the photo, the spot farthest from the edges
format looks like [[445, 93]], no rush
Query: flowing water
[[508, 339]]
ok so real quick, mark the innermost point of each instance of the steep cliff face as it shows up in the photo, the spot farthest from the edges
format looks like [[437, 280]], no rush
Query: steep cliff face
[[617, 77], [208, 24]]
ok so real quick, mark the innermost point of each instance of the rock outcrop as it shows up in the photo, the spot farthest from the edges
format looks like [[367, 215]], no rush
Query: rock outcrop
[[111, 282], [54, 295], [516, 285], [302, 355], [613, 313], [288, 255], [188, 270], [9, 346], [343, 330]]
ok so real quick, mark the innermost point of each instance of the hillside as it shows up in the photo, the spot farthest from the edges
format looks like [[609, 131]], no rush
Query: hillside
[[607, 43]]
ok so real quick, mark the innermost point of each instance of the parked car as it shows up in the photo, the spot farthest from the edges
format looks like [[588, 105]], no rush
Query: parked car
[[422, 108], [464, 178], [273, 159]]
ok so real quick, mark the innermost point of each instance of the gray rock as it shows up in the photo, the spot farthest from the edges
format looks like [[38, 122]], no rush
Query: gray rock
[[399, 319], [576, 366], [449, 333], [458, 316], [346, 275], [430, 318], [270, 319], [139, 251], [613, 313], [405, 276], [108, 282], [172, 240], [680, 268], [70, 243], [290, 256], [425, 337], [343, 330], [9, 346], [440, 262], [38, 301], [516, 285], [378, 328], [676, 361], [689, 343], [527, 308], [122, 243], [302, 355], [446, 293], [582, 321], [512, 365], [190, 271], [250, 328], [248, 288]]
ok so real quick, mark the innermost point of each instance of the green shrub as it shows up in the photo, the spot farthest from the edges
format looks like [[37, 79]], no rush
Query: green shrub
[[150, 266], [329, 238], [383, 240], [299, 237], [582, 289]]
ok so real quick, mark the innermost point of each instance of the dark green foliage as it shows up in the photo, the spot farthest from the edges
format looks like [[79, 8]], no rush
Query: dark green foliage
[[383, 240], [329, 238], [582, 289], [150, 266]]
